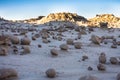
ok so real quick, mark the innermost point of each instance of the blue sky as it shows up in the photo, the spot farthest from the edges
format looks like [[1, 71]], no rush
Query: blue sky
[[25, 9]]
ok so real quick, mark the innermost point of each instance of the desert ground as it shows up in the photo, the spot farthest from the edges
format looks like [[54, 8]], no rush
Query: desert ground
[[72, 51]]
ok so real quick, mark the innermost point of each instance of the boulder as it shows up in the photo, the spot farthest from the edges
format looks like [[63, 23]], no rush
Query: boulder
[[51, 73], [3, 40], [101, 67], [59, 38], [33, 38], [54, 52], [113, 46], [7, 73], [95, 39], [113, 60], [77, 45], [83, 32], [69, 41], [90, 68], [25, 41], [15, 40], [102, 58], [39, 45], [64, 47], [45, 40], [118, 76], [84, 57], [3, 51], [26, 50]]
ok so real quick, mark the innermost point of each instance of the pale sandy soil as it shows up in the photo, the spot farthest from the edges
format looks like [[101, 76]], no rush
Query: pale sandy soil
[[69, 65]]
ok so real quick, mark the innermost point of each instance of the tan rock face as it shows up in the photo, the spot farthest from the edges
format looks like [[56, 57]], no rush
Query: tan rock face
[[112, 20], [7, 73], [62, 17], [103, 24]]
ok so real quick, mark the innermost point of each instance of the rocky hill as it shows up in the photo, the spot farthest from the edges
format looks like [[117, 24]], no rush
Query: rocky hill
[[111, 19], [33, 20], [72, 17]]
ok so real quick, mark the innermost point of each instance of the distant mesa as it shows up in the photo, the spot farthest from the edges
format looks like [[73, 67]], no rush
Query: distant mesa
[[72, 17], [64, 17], [112, 20]]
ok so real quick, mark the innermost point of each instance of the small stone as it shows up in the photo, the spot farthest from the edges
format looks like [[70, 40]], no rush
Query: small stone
[[26, 50], [39, 46], [45, 36], [54, 52], [45, 41], [109, 37], [64, 47], [79, 36], [59, 38], [84, 57], [113, 46], [113, 60], [103, 54], [90, 29], [118, 76], [88, 77], [15, 51], [69, 41], [37, 35], [102, 58], [77, 45], [7, 73], [118, 43], [90, 68], [83, 32], [51, 73], [105, 42], [101, 67], [33, 38]]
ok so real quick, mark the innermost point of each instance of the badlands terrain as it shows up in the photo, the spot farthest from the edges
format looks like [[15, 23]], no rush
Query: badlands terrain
[[60, 46]]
